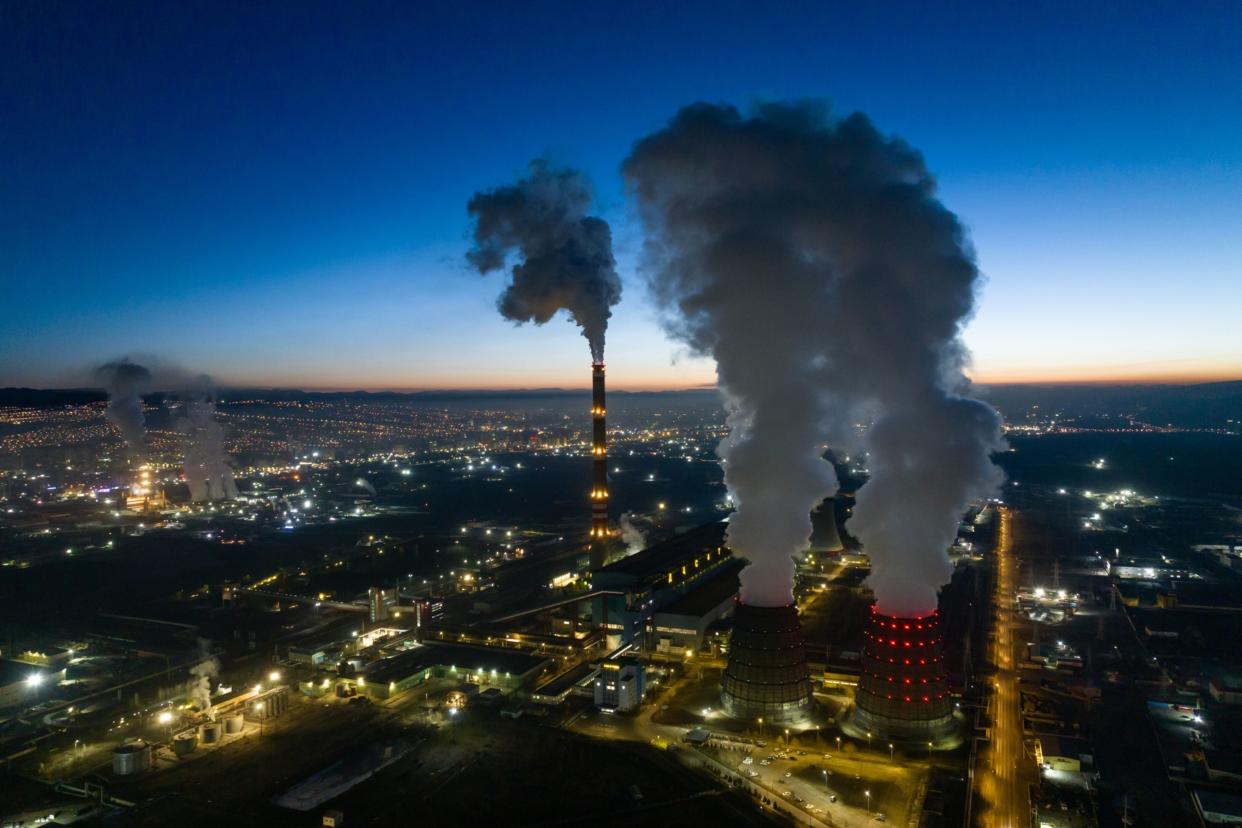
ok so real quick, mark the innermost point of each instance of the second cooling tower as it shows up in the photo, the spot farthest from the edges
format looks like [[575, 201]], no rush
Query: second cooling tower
[[767, 676]]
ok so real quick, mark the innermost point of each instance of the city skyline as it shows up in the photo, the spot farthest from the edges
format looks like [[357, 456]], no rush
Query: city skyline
[[183, 200]]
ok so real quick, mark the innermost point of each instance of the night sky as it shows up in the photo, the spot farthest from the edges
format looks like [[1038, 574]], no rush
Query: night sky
[[275, 193]]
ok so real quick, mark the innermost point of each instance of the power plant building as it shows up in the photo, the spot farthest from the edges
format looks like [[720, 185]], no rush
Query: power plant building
[[619, 686], [681, 585]]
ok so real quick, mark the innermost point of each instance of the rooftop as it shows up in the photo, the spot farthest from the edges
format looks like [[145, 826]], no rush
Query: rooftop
[[708, 594], [461, 656], [672, 552]]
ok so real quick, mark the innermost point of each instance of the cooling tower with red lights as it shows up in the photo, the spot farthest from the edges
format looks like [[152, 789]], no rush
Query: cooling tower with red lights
[[599, 485], [767, 676], [903, 690]]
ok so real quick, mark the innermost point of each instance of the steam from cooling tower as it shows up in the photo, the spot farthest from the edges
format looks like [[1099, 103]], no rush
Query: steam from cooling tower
[[125, 383], [564, 256], [207, 470], [809, 256]]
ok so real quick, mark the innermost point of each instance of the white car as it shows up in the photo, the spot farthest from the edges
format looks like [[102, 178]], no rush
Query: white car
[[749, 760]]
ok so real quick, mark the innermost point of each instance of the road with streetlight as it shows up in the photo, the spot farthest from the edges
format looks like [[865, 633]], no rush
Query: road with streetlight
[[1002, 787]]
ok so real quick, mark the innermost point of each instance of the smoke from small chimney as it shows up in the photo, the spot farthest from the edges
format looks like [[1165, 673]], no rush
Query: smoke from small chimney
[[564, 256], [809, 256]]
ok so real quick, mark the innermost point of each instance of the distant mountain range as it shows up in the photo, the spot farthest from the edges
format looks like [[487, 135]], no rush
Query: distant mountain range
[[1201, 405]]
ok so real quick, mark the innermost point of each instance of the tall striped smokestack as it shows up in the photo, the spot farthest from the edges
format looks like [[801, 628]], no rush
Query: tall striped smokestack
[[599, 485]]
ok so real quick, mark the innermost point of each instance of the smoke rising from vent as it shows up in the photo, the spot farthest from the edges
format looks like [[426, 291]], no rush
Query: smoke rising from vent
[[203, 672], [809, 256], [125, 383], [207, 470], [634, 538], [564, 256]]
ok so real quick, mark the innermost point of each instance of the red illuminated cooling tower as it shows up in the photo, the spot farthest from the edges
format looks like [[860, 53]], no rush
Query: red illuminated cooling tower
[[903, 691]]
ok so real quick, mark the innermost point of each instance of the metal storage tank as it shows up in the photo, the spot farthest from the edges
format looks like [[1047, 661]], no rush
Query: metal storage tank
[[209, 733], [130, 757], [233, 724], [184, 744]]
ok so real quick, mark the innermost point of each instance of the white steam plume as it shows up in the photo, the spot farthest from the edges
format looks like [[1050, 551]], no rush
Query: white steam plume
[[207, 470], [206, 669], [564, 256], [126, 382], [634, 538], [809, 256]]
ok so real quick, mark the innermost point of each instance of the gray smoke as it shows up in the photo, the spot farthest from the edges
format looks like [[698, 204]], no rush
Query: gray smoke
[[207, 470], [564, 256], [634, 538], [810, 257], [125, 383]]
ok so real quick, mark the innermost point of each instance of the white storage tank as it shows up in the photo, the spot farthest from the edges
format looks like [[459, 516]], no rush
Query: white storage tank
[[130, 757]]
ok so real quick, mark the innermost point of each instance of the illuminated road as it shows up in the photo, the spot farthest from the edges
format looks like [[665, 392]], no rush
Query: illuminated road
[[1002, 788]]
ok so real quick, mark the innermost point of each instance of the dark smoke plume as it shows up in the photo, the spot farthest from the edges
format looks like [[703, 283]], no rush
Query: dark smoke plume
[[207, 470], [125, 383], [810, 257], [564, 256]]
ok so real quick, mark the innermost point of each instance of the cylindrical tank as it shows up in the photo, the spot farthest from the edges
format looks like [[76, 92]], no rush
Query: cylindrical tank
[[130, 757], [184, 744], [209, 733], [233, 724]]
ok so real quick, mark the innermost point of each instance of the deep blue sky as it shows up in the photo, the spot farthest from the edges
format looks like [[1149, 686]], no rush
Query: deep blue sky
[[275, 193]]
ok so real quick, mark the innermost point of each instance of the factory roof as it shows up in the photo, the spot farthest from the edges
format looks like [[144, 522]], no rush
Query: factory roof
[[664, 555], [709, 593], [461, 656]]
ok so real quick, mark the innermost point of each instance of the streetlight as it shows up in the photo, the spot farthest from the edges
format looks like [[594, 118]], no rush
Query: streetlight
[[838, 743], [890, 751], [868, 739], [786, 737], [929, 749], [258, 709], [760, 725], [868, 795], [273, 676]]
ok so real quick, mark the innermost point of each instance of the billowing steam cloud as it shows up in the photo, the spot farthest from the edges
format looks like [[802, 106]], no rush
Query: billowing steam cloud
[[125, 383], [207, 469], [200, 687], [565, 256], [810, 257], [634, 538]]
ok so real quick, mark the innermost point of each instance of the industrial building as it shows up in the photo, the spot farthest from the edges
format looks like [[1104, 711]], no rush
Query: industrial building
[[653, 582], [506, 669], [767, 676], [903, 688], [620, 685]]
